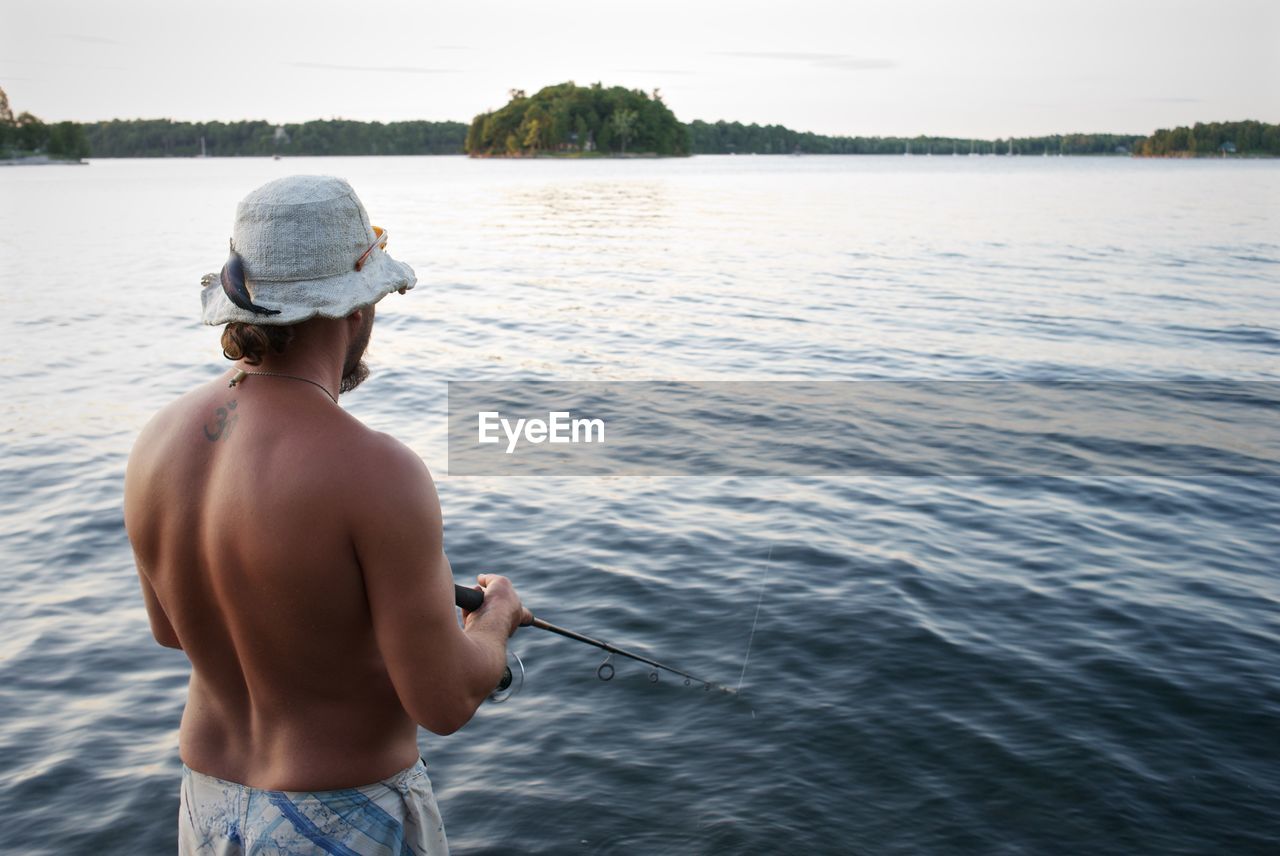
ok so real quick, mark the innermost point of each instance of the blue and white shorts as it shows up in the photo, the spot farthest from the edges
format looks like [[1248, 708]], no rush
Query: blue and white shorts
[[394, 817]]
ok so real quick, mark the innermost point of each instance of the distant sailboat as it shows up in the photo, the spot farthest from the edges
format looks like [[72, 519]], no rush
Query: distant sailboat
[[203, 152]]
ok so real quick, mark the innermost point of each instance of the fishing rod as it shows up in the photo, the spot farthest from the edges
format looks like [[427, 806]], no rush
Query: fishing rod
[[471, 599]]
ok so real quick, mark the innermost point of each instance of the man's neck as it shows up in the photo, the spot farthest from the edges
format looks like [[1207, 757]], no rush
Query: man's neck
[[316, 352]]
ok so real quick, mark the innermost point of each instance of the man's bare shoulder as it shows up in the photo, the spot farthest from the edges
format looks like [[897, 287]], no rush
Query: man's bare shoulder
[[387, 475], [161, 426], [385, 457]]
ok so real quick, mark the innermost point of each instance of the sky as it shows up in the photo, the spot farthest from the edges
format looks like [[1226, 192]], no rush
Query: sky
[[964, 68]]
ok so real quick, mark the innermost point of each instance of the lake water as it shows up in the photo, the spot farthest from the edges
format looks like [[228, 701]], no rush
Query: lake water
[[952, 664]]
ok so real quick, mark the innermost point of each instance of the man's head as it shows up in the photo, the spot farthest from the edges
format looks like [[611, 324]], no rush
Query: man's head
[[302, 247], [253, 342]]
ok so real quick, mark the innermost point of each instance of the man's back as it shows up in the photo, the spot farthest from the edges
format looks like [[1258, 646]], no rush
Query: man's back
[[298, 557], [238, 502]]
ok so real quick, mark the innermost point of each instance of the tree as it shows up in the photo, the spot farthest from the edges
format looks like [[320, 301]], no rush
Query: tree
[[32, 133], [69, 140], [624, 122], [6, 120], [604, 137], [532, 127], [474, 131]]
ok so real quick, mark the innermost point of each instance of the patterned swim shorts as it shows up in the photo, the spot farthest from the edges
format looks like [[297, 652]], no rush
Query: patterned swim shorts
[[393, 817]]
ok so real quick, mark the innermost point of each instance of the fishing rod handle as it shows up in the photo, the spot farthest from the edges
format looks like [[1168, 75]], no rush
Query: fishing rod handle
[[472, 599], [467, 598]]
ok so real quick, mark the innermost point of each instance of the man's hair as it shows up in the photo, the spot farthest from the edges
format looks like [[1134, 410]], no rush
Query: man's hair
[[251, 342]]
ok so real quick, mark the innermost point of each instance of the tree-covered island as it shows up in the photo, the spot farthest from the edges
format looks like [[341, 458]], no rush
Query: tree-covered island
[[571, 120]]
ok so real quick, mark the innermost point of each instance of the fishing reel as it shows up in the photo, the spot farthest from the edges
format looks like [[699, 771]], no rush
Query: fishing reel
[[512, 679]]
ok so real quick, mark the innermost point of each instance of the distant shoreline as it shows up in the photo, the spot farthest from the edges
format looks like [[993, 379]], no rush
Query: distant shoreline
[[651, 156], [570, 121], [166, 138], [578, 156], [42, 160]]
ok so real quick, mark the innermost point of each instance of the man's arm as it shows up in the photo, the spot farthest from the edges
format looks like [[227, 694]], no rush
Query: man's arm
[[441, 671], [160, 626], [134, 503]]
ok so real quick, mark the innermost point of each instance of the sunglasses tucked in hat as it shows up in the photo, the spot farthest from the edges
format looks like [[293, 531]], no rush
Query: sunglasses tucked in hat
[[302, 246]]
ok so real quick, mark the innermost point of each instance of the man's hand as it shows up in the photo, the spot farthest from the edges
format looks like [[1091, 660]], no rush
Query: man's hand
[[500, 600]]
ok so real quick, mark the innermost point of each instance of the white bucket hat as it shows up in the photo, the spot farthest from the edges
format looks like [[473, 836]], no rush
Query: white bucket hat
[[302, 246]]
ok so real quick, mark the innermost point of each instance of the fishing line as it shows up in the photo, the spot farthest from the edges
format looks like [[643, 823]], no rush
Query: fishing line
[[763, 580]]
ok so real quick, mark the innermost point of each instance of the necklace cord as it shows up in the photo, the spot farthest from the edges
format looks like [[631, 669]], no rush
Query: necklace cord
[[241, 373]]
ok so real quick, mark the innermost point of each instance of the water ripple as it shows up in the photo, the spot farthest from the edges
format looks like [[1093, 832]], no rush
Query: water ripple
[[946, 665]]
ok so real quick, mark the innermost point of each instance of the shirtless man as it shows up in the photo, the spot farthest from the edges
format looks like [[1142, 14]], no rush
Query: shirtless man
[[296, 557]]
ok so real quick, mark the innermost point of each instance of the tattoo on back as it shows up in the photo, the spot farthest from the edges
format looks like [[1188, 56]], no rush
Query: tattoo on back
[[224, 421]]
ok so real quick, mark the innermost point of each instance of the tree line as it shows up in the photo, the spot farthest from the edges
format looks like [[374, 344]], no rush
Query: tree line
[[571, 119], [1247, 138], [736, 138], [25, 135], [166, 138], [575, 120]]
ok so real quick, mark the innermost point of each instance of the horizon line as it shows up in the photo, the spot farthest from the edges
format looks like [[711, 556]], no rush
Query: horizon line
[[710, 122]]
